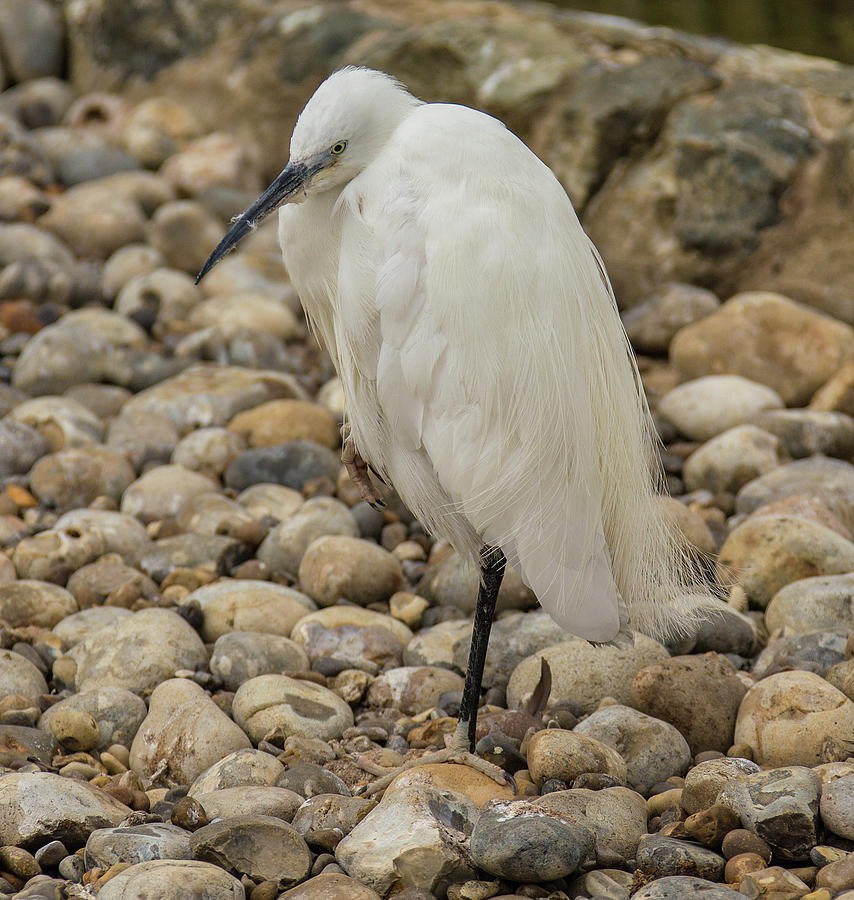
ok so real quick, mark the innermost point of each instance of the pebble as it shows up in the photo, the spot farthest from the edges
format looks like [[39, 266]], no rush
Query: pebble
[[262, 312], [274, 501], [710, 826], [437, 645], [20, 447], [137, 843], [522, 841], [331, 812], [564, 755], [741, 842], [251, 800], [813, 604], [584, 673], [308, 780], [19, 676], [280, 421], [285, 546], [263, 848], [109, 581], [653, 750], [698, 695], [336, 567], [184, 734], [705, 781], [837, 876], [207, 451], [122, 534], [172, 879], [685, 887], [780, 806], [145, 440], [787, 717], [242, 767], [74, 729], [37, 807], [54, 555], [244, 605], [660, 856], [463, 780], [412, 689], [30, 602], [162, 491], [837, 807], [331, 886], [138, 653], [709, 406], [363, 647], [20, 743], [413, 838], [773, 882], [62, 422], [731, 459], [652, 324], [240, 655], [277, 702], [806, 432], [815, 652], [213, 554], [32, 37]]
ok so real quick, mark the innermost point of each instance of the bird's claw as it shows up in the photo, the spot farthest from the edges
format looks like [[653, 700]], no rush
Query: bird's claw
[[357, 469]]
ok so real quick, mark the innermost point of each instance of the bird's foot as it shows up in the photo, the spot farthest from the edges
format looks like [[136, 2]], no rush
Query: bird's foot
[[448, 755], [357, 469]]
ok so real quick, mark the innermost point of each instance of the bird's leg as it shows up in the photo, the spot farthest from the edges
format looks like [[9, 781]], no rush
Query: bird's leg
[[461, 746], [492, 564], [357, 469]]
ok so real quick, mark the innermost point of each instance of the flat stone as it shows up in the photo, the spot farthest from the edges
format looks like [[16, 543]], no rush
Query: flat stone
[[162, 491], [336, 567], [685, 887], [215, 554], [333, 617], [326, 812], [463, 780], [412, 689], [780, 805], [303, 708], [19, 743], [273, 501], [707, 779], [172, 879], [662, 856], [364, 647], [805, 432], [75, 477], [331, 886], [838, 876], [412, 839], [837, 807], [291, 464], [774, 881], [263, 848], [138, 843], [787, 717], [121, 534], [564, 755], [437, 645], [231, 605], [144, 438], [117, 712], [652, 324], [240, 768], [184, 734], [280, 421], [817, 651], [309, 779], [110, 581], [241, 655], [36, 807], [522, 841], [584, 673], [79, 625], [62, 422], [20, 447], [251, 800]]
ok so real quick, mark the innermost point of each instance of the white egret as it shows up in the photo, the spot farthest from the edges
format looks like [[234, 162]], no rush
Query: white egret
[[485, 369]]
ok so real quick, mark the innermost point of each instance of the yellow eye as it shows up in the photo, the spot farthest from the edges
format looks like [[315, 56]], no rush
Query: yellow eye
[[339, 148]]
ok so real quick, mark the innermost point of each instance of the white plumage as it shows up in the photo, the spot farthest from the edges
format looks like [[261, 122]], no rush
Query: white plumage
[[486, 373]]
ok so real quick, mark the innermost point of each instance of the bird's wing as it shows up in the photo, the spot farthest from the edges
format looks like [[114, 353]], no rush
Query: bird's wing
[[484, 346]]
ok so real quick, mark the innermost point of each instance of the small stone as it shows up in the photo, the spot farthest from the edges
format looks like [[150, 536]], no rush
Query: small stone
[[436, 645], [21, 446], [75, 729], [291, 464], [350, 646], [837, 807], [805, 432], [51, 854], [334, 617], [741, 842], [263, 847], [332, 886], [813, 604], [683, 887], [75, 477], [189, 814], [241, 655], [240, 768], [652, 324], [121, 534], [161, 492], [19, 676], [779, 805], [138, 843], [463, 780], [706, 780], [212, 554], [773, 882], [254, 800], [336, 567], [787, 717], [280, 421], [32, 36], [837, 876], [412, 689], [731, 459], [271, 702], [109, 581], [710, 826], [325, 812], [816, 652], [454, 582], [407, 607], [172, 879], [662, 856], [30, 602], [520, 841], [556, 753]]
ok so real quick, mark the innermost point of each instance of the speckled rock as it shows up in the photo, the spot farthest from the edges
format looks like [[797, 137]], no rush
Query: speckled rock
[[584, 673], [564, 755], [138, 653], [709, 406], [787, 717], [336, 567], [331, 811], [53, 555], [333, 617], [616, 815], [251, 800], [162, 491], [837, 806], [36, 807], [804, 432], [29, 602], [412, 689], [208, 450], [813, 604], [138, 843], [331, 886], [453, 582], [117, 712], [172, 879], [145, 439], [184, 733], [205, 395], [262, 847], [522, 841], [414, 838], [247, 605], [652, 749], [781, 806], [274, 501], [698, 695], [816, 652], [463, 780], [303, 708], [19, 676], [215, 554], [731, 459], [238, 769], [241, 655], [122, 534], [364, 647], [285, 546]]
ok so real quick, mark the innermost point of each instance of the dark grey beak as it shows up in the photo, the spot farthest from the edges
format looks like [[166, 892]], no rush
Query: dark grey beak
[[286, 184]]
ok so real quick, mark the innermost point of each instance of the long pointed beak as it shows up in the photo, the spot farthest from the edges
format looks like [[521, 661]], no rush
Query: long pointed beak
[[286, 184]]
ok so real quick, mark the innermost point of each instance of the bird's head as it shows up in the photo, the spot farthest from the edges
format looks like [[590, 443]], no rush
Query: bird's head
[[343, 127]]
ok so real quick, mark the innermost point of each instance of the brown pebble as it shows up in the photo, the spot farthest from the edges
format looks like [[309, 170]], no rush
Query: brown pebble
[[266, 890], [706, 755], [323, 859], [742, 864], [740, 751], [119, 792], [837, 876], [741, 840], [111, 873], [19, 862], [807, 874], [189, 813], [140, 801], [710, 826]]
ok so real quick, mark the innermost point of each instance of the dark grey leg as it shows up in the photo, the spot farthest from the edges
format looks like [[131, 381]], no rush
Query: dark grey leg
[[492, 563]]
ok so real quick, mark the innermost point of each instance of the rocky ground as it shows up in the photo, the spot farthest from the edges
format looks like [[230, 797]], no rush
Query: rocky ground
[[211, 646]]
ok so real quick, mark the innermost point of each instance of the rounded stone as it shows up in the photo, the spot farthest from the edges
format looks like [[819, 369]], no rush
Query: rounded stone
[[437, 645], [683, 887], [564, 755], [19, 676], [837, 807], [172, 879], [208, 450], [146, 440], [337, 616], [184, 231], [280, 421], [238, 769], [706, 780], [251, 800], [274, 501], [652, 749], [660, 856], [54, 555], [478, 787], [20, 447], [706, 407], [731, 459], [75, 477], [330, 886], [161, 492], [813, 604], [412, 689], [117, 713], [336, 567], [260, 312], [652, 324], [277, 702], [135, 844], [787, 717], [584, 673], [241, 655], [121, 534], [61, 421], [521, 841], [29, 602], [230, 605], [74, 729]]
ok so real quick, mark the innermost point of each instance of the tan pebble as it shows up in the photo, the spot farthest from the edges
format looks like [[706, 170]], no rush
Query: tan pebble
[[65, 670], [79, 770], [175, 593], [710, 826], [111, 873], [407, 607], [740, 751], [410, 551], [189, 813], [92, 875], [74, 729], [19, 862], [820, 894], [741, 865], [772, 882], [657, 803], [111, 764], [120, 752]]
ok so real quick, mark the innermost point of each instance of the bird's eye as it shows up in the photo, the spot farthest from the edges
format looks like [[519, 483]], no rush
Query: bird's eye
[[339, 148]]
